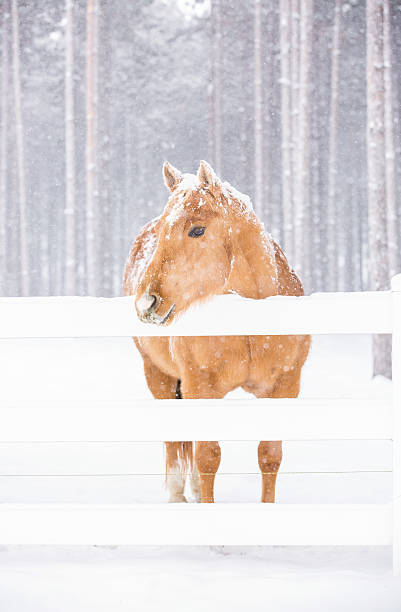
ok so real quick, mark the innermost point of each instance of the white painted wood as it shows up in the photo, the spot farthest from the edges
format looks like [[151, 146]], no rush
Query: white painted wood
[[237, 419], [376, 312], [396, 367], [175, 524], [358, 312], [396, 283], [237, 457]]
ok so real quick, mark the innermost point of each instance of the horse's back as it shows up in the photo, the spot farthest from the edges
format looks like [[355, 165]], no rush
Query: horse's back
[[288, 281]]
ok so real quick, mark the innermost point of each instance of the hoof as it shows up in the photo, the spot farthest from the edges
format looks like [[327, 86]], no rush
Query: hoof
[[177, 499]]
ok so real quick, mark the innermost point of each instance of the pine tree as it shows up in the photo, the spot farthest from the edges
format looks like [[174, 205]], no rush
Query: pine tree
[[271, 209], [216, 118], [378, 255], [106, 203], [295, 15], [70, 281], [285, 88], [258, 110], [3, 150], [332, 195], [21, 187], [91, 145], [392, 234], [302, 211]]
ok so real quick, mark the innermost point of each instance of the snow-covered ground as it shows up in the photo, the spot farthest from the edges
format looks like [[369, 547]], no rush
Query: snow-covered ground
[[127, 578]]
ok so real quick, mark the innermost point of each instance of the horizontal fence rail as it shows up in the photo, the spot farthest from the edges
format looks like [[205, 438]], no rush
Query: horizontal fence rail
[[213, 524], [152, 420], [329, 458], [328, 313], [269, 419]]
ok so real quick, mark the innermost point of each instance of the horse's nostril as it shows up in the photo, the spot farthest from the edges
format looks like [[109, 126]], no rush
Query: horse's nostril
[[146, 304]]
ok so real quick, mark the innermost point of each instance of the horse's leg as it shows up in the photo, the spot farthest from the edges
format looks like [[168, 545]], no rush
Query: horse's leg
[[175, 476], [207, 458], [195, 483], [163, 386], [199, 385], [269, 458], [270, 452]]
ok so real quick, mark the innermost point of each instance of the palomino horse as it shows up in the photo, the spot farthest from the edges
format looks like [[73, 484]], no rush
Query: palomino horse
[[207, 242]]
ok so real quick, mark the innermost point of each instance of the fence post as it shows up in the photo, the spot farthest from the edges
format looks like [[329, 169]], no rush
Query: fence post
[[396, 371]]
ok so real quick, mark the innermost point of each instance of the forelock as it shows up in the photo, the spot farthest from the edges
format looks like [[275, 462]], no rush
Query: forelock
[[190, 195]]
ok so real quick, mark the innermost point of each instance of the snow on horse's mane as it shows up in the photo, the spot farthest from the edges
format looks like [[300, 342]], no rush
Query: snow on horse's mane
[[190, 182]]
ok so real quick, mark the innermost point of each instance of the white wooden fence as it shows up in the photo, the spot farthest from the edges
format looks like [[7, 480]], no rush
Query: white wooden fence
[[292, 419]]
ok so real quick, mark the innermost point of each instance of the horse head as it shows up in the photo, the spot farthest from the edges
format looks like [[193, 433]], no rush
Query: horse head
[[208, 241]]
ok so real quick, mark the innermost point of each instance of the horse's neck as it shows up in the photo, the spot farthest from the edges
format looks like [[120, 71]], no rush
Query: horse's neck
[[253, 268]]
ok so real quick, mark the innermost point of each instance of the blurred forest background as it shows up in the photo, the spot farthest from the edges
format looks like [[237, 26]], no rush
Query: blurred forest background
[[295, 102]]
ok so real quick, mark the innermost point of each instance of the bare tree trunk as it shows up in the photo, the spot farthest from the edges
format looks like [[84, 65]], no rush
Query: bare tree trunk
[[378, 256], [44, 254], [294, 107], [286, 139], [332, 208], [70, 264], [3, 151], [22, 208], [258, 120], [392, 235], [216, 85], [302, 211], [234, 18], [98, 212], [270, 209], [355, 234], [126, 168], [106, 205], [210, 96], [317, 238], [91, 146]]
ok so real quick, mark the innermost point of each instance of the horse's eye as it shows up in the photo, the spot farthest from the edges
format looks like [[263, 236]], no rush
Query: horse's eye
[[196, 231]]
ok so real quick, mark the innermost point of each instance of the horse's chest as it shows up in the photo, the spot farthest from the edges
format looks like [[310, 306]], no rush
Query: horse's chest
[[213, 354], [233, 359], [177, 355], [158, 350]]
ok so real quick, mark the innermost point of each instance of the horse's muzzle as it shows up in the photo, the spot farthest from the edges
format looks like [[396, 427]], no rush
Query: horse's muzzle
[[146, 306]]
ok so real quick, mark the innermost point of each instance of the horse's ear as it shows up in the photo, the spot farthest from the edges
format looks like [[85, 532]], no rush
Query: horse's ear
[[172, 176], [207, 177]]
